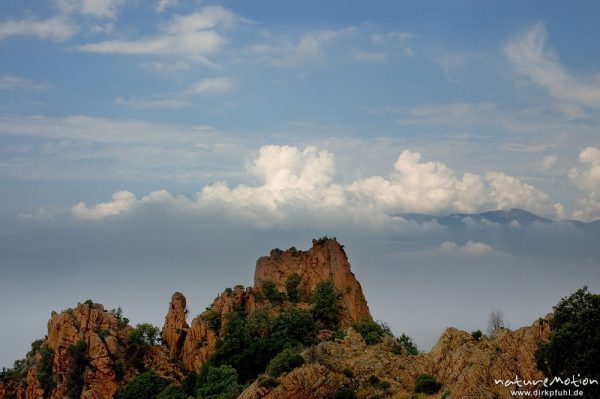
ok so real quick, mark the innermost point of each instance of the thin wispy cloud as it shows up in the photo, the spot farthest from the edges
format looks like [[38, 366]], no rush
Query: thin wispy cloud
[[211, 85], [57, 29], [533, 59], [10, 82], [192, 35]]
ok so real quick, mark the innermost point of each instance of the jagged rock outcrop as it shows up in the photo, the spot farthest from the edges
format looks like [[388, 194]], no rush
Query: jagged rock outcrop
[[175, 328], [326, 260], [201, 338], [466, 367], [102, 333]]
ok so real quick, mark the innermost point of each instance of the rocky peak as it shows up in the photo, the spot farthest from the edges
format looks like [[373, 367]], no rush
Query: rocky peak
[[326, 260], [102, 332], [175, 328]]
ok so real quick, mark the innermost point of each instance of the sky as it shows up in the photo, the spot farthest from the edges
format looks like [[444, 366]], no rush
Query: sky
[[148, 147]]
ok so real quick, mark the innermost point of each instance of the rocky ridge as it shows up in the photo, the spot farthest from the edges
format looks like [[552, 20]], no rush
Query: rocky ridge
[[463, 365]]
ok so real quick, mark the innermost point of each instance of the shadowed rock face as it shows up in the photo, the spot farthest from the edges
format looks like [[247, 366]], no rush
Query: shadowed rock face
[[326, 260]]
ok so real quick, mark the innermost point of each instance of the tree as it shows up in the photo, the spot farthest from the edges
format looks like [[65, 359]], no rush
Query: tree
[[145, 386], [574, 345], [285, 361], [325, 308], [78, 363], [291, 286], [495, 322], [218, 381]]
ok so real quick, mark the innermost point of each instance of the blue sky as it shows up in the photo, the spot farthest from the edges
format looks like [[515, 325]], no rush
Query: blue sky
[[272, 122]]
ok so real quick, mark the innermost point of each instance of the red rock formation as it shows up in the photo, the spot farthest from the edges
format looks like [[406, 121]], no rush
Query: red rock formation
[[201, 338], [326, 260], [93, 325], [175, 328]]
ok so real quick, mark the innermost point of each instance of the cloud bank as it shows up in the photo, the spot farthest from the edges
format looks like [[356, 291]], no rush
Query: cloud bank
[[294, 184]]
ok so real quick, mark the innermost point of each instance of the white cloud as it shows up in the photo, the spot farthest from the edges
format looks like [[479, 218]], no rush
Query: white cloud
[[191, 35], [309, 47], [531, 59], [294, 185], [103, 130], [149, 103], [509, 192], [587, 179], [168, 67], [99, 8], [212, 85], [122, 201], [162, 5], [470, 248], [57, 28], [369, 56], [395, 38], [9, 82], [549, 161]]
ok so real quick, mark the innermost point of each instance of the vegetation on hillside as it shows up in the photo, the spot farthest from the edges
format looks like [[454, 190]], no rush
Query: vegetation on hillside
[[574, 345]]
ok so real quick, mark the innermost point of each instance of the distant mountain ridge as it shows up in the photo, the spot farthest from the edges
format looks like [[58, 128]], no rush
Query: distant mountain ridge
[[514, 217]]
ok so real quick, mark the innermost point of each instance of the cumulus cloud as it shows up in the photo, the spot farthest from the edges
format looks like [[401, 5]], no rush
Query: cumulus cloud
[[532, 59], [192, 35], [295, 184], [212, 85], [587, 179], [470, 248]]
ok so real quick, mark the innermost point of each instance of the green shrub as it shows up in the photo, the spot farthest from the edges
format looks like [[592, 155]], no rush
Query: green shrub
[[477, 334], [426, 384], [403, 345], [325, 308], [291, 286], [285, 361], [267, 381], [119, 369], [348, 372], [344, 393], [89, 302], [371, 331], [294, 326], [574, 344], [144, 334], [172, 392], [213, 320], [44, 370], [145, 386], [217, 381], [78, 363], [271, 293], [374, 380]]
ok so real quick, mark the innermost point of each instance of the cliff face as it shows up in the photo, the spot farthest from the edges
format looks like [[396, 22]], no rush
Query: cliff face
[[326, 260], [466, 367]]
